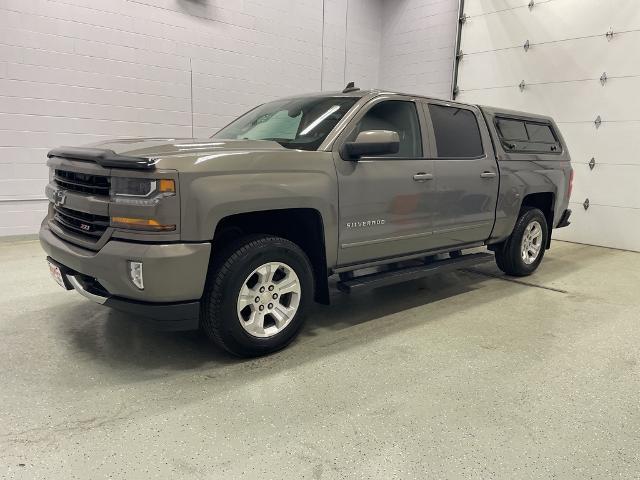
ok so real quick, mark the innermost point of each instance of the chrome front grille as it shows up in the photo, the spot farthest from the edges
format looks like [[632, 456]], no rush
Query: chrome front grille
[[83, 182], [80, 223]]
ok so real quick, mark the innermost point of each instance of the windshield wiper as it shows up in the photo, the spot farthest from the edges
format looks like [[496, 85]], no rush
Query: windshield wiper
[[279, 140]]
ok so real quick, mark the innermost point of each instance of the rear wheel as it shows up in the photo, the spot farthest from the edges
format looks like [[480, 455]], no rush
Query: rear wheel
[[256, 296], [523, 251]]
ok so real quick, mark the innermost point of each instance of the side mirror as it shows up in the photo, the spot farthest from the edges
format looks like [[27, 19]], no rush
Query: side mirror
[[371, 143]]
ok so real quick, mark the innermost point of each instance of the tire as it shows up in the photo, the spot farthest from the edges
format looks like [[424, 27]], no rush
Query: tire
[[510, 256], [248, 331]]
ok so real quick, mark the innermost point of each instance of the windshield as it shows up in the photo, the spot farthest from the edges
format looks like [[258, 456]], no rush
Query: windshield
[[300, 123]]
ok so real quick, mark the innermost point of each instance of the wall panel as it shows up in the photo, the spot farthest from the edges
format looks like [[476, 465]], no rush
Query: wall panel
[[80, 71], [418, 43], [562, 69]]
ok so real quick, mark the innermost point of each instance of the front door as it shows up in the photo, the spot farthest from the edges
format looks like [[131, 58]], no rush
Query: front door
[[386, 203], [466, 175]]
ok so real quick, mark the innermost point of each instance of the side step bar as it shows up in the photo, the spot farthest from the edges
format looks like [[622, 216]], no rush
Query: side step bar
[[381, 279]]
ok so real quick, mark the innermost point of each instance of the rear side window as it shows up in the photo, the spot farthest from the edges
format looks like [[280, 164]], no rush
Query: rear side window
[[457, 133], [527, 136]]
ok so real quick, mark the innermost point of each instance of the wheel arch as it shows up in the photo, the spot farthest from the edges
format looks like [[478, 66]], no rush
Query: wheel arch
[[545, 202], [303, 226]]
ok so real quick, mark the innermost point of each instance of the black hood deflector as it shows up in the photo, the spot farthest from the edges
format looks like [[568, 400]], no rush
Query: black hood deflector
[[103, 157]]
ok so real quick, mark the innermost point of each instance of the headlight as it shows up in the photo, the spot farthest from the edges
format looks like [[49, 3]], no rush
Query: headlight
[[140, 191], [140, 187]]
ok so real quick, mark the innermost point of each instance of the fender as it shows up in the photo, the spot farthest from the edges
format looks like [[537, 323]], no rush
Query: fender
[[210, 199], [517, 180]]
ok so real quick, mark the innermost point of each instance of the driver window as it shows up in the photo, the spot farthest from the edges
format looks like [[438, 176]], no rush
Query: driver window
[[399, 116]]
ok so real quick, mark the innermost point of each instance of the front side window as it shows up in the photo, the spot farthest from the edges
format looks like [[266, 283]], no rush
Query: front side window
[[299, 123], [398, 116], [456, 131]]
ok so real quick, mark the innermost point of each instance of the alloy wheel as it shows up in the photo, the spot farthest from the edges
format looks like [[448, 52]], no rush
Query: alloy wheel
[[269, 299], [531, 242]]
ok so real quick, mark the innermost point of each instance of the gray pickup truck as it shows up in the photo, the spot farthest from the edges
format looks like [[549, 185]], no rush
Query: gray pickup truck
[[236, 234]]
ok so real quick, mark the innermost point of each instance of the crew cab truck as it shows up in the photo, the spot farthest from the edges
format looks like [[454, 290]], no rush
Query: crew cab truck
[[236, 234]]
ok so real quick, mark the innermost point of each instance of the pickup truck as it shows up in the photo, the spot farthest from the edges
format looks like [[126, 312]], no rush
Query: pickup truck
[[236, 234]]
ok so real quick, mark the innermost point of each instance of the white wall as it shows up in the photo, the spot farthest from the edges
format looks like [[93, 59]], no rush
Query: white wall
[[356, 24], [568, 54], [418, 45], [78, 71]]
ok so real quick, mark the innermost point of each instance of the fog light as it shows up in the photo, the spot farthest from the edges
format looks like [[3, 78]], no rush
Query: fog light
[[135, 273]]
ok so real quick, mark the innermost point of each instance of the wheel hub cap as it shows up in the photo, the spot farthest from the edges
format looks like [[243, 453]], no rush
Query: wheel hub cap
[[269, 299], [531, 242]]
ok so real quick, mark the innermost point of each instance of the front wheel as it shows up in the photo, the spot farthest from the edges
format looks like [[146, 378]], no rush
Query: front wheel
[[522, 252], [256, 296]]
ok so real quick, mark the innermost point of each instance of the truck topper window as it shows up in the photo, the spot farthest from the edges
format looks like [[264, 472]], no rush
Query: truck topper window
[[527, 136]]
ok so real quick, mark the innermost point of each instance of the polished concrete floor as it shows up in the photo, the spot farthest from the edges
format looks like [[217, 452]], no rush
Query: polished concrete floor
[[464, 375]]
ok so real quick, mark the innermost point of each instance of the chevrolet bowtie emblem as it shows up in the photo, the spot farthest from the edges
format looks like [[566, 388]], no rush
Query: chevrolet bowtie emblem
[[59, 197]]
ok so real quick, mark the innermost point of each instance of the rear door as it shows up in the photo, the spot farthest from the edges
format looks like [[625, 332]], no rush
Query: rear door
[[386, 202], [466, 174]]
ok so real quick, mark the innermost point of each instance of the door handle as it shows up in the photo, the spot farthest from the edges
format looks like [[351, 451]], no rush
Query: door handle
[[422, 177], [487, 174]]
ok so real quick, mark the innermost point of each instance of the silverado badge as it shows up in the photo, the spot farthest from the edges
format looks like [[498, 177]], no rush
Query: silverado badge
[[366, 223]]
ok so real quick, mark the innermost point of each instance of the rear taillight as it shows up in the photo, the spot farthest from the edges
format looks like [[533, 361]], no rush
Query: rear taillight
[[570, 189]]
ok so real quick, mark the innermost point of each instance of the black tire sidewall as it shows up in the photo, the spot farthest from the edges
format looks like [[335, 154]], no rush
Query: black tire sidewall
[[515, 242], [235, 337]]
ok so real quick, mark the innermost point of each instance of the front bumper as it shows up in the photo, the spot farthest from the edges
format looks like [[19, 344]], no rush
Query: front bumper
[[163, 316], [174, 275]]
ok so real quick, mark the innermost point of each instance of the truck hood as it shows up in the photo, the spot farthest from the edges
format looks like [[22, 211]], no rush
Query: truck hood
[[162, 147]]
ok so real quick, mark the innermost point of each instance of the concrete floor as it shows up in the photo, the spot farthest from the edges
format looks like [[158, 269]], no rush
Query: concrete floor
[[464, 375]]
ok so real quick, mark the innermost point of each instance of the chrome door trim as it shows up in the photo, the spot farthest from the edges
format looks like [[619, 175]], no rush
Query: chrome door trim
[[388, 239], [464, 227], [347, 267]]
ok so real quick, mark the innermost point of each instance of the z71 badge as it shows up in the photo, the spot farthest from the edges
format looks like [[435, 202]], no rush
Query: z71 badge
[[366, 223]]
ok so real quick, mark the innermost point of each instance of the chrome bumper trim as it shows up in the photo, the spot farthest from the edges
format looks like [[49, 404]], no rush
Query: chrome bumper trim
[[81, 290]]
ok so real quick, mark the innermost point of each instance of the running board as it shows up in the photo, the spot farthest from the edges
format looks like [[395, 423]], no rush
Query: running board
[[388, 277]]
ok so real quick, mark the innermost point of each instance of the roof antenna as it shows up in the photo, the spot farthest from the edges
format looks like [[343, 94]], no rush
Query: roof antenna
[[350, 88]]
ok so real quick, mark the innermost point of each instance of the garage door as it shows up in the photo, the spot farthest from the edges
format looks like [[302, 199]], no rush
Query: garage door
[[578, 61]]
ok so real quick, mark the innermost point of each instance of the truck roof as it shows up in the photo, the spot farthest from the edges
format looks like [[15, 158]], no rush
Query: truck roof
[[492, 111]]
